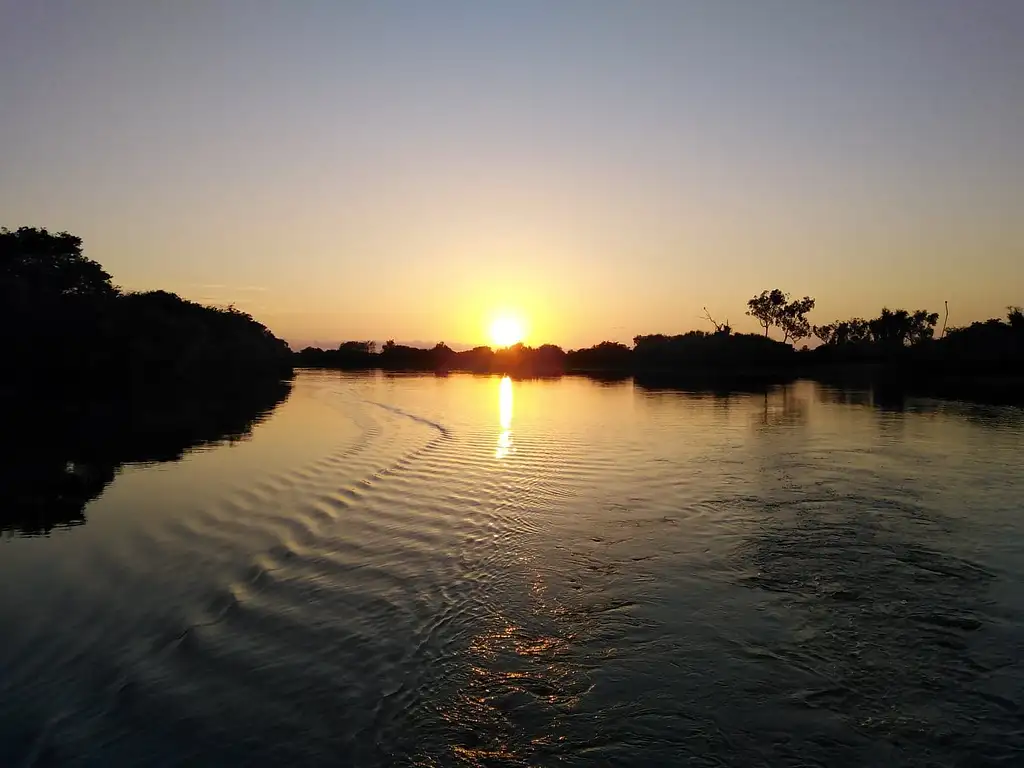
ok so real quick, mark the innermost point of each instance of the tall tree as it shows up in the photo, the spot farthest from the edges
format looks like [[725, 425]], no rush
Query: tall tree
[[766, 308], [773, 308], [793, 319]]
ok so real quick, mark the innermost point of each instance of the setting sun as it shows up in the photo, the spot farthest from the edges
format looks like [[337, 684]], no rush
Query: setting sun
[[506, 331]]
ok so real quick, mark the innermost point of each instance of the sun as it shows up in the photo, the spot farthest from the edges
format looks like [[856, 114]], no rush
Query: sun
[[506, 331]]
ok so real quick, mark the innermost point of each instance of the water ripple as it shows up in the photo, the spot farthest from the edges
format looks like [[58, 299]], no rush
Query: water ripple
[[468, 573]]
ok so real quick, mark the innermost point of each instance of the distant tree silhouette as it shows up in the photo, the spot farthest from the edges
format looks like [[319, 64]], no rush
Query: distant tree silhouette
[[608, 355], [698, 349], [719, 327], [766, 308], [479, 359], [897, 347], [774, 308], [358, 347], [841, 332], [900, 328], [892, 330], [443, 356], [793, 319], [1015, 318], [992, 345], [551, 356]]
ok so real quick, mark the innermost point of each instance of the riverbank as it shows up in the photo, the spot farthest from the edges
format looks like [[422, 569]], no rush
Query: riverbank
[[890, 383]]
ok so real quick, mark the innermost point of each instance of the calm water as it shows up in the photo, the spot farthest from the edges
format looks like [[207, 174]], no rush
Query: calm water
[[473, 571]]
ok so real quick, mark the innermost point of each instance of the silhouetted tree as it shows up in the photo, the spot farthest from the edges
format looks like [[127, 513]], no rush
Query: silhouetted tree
[[1015, 318], [899, 328], [36, 265], [767, 307], [606, 356], [774, 308], [825, 333], [443, 356], [989, 345], [358, 347], [62, 317], [852, 331], [698, 349], [719, 327], [479, 359], [793, 319]]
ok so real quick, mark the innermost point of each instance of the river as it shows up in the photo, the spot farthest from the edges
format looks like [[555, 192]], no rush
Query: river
[[458, 570]]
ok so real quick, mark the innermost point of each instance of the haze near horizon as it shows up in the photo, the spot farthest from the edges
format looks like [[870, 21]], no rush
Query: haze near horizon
[[593, 170]]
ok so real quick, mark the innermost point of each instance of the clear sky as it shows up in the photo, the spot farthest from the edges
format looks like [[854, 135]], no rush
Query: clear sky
[[409, 170]]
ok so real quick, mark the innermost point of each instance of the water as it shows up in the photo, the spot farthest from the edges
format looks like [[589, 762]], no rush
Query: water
[[421, 570]]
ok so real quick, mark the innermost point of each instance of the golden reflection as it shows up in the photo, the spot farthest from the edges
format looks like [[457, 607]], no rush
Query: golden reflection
[[531, 667], [505, 418]]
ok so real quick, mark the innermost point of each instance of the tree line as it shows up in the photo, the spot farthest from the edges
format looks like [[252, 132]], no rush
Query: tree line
[[901, 341], [64, 324], [62, 319]]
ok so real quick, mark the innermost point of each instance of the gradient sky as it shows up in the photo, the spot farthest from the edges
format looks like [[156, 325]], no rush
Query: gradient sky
[[407, 170]]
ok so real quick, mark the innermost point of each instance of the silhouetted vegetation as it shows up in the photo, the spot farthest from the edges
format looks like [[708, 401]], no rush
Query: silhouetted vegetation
[[547, 360], [888, 336], [896, 351], [64, 322], [95, 377], [774, 308], [721, 350]]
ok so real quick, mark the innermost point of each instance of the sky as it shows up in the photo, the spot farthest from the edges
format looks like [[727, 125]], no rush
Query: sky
[[413, 170]]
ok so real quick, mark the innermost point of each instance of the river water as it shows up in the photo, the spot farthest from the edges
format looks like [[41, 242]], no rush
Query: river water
[[420, 570]]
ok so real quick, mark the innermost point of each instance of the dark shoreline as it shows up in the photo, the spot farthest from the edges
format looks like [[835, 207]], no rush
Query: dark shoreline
[[889, 383]]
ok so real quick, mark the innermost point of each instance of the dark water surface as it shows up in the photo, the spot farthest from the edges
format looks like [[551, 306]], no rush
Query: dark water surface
[[472, 571]]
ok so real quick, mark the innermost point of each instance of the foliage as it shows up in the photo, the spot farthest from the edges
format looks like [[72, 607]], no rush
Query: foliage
[[608, 355], [774, 308], [992, 344], [38, 266], [698, 348], [1015, 318], [62, 317], [901, 328], [766, 308], [358, 347], [159, 331], [793, 319], [853, 331], [892, 329]]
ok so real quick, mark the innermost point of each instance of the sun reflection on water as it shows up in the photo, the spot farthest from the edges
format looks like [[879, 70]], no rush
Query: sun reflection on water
[[505, 419]]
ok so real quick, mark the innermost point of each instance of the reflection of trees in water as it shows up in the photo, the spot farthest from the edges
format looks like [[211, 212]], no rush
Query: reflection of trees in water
[[877, 395], [836, 395], [60, 457], [892, 401], [786, 406], [704, 382]]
